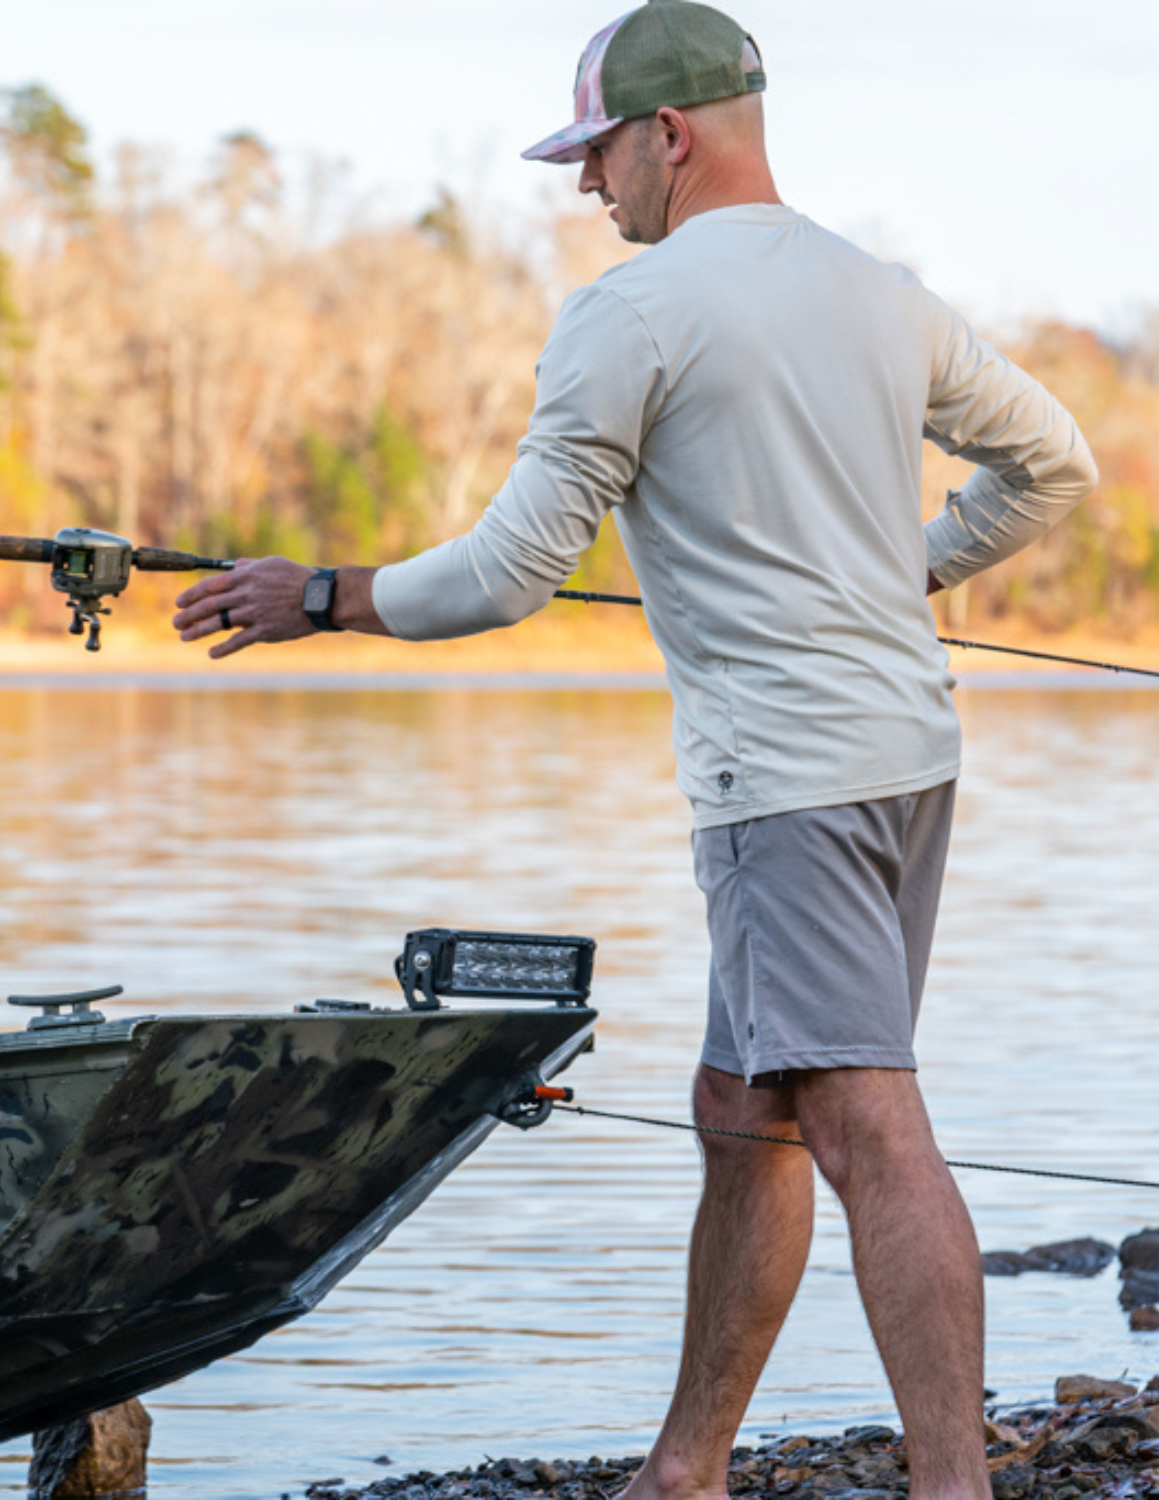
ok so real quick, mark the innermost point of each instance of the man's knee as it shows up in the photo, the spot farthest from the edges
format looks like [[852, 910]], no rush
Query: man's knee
[[861, 1121], [723, 1101]]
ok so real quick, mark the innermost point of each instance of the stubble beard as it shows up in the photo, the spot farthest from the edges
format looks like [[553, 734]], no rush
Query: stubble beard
[[647, 222]]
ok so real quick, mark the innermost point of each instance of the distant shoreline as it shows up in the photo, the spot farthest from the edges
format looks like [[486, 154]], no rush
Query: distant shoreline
[[543, 652], [490, 682]]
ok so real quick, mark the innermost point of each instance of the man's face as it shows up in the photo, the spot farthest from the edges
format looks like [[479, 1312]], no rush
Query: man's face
[[623, 168]]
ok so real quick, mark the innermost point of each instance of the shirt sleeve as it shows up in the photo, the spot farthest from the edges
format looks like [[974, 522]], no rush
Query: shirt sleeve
[[1034, 464], [599, 386]]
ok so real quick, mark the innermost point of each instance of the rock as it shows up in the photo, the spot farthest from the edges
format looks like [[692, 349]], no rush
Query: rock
[[1144, 1319], [857, 1493], [1140, 1252], [1083, 1257], [101, 1454], [1139, 1269], [1051, 1454], [874, 1433], [1069, 1389], [1136, 1422], [1003, 1262], [1105, 1443], [1139, 1289], [1013, 1483], [872, 1472], [829, 1485]]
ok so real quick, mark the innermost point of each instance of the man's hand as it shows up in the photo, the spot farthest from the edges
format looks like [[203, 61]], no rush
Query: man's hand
[[261, 600]]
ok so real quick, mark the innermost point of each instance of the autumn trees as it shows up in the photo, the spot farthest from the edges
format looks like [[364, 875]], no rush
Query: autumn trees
[[210, 366]]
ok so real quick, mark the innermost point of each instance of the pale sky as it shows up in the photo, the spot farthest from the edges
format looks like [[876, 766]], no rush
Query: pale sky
[[1008, 149]]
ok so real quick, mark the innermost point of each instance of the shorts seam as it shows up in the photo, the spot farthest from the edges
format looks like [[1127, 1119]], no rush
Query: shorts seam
[[755, 959]]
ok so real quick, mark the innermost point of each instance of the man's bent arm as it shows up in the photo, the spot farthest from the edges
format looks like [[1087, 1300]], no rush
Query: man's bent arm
[[1034, 465]]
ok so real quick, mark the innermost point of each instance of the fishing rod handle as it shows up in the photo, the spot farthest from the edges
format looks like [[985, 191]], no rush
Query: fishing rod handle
[[26, 549], [158, 560]]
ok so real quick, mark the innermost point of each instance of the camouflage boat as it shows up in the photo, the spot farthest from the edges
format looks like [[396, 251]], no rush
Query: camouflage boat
[[171, 1189]]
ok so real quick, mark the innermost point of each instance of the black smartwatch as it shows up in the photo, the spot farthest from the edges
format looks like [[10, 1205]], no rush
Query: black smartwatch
[[318, 599]]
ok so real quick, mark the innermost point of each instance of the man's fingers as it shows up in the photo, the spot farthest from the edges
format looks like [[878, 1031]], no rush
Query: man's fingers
[[205, 588], [216, 583], [197, 622], [236, 642]]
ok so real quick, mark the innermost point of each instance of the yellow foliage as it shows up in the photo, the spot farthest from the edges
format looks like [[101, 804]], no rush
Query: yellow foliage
[[191, 371]]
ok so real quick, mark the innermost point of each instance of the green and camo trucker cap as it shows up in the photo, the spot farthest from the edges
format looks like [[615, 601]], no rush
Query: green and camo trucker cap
[[668, 52]]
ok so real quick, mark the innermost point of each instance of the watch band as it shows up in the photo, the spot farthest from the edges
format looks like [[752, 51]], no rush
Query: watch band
[[318, 599]]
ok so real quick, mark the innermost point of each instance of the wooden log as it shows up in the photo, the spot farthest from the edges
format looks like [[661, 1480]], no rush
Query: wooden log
[[101, 1454]]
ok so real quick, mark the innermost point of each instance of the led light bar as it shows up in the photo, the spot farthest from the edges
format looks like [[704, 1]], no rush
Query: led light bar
[[494, 965]]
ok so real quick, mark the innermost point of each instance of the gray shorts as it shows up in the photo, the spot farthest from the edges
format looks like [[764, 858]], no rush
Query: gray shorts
[[821, 924]]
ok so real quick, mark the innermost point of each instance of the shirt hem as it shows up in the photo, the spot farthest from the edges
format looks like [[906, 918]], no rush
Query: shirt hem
[[720, 817]]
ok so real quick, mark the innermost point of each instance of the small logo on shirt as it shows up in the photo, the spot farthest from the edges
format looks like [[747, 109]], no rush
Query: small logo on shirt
[[725, 782]]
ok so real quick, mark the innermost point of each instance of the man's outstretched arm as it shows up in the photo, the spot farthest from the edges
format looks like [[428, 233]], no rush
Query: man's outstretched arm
[[600, 383]]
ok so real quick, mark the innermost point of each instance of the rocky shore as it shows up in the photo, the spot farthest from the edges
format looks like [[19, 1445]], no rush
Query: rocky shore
[[1096, 1438]]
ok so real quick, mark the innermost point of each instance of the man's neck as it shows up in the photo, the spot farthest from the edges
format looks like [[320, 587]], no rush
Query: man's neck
[[693, 197]]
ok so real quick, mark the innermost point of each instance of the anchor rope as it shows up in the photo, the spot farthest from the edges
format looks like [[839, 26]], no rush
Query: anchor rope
[[777, 1140]]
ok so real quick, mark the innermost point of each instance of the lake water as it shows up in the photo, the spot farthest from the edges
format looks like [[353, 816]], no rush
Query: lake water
[[260, 843]]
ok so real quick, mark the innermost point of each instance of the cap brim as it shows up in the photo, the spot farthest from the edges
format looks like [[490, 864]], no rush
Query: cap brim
[[569, 144]]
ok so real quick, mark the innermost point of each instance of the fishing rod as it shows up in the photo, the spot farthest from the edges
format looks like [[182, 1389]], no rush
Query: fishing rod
[[90, 566], [586, 597]]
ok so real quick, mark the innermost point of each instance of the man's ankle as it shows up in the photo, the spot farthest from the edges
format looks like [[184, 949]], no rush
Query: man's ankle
[[667, 1476]]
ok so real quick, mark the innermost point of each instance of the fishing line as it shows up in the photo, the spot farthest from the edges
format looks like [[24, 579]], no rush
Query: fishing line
[[585, 597], [776, 1140]]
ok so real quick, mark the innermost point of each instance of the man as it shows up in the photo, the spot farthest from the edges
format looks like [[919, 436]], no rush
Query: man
[[749, 398]]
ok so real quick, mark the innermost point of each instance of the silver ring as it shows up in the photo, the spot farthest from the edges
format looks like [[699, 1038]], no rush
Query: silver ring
[[226, 623]]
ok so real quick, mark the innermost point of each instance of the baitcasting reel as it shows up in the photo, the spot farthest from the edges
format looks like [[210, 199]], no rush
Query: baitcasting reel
[[87, 565], [90, 566]]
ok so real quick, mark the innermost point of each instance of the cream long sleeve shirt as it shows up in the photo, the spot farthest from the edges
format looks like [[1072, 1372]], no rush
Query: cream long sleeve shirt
[[749, 398]]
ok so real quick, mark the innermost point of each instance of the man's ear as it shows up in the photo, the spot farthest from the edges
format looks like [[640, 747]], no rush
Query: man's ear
[[677, 135]]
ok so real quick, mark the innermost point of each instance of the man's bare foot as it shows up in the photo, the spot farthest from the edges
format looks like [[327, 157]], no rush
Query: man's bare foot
[[660, 1479]]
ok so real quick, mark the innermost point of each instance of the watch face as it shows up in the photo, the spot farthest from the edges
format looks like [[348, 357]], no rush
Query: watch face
[[316, 595]]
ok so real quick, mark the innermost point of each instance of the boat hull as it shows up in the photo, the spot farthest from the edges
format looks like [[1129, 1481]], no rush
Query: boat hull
[[170, 1194]]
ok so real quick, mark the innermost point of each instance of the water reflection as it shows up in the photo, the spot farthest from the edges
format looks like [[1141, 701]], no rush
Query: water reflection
[[254, 849]]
